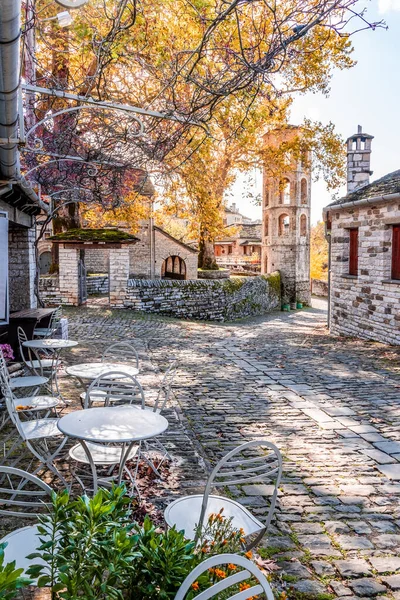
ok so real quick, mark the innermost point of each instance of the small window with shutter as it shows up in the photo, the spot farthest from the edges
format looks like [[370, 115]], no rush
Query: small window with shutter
[[353, 252], [396, 252]]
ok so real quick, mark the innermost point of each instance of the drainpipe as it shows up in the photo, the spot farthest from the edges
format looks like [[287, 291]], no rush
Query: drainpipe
[[152, 243], [11, 114], [329, 239]]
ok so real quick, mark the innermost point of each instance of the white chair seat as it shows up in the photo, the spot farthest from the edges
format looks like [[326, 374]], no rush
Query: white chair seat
[[29, 381], [40, 428], [184, 513], [101, 455], [21, 543], [36, 402], [46, 363]]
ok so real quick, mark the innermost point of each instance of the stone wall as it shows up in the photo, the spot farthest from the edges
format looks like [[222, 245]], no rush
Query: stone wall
[[22, 267], [319, 287], [366, 305], [96, 260], [49, 290], [97, 284], [211, 274], [206, 300]]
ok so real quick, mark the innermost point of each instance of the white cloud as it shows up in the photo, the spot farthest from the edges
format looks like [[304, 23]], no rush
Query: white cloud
[[386, 6]]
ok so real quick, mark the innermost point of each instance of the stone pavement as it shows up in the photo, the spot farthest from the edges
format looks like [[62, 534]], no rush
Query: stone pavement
[[331, 405]]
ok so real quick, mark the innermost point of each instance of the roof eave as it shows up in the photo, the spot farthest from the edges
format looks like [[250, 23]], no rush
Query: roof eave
[[361, 202]]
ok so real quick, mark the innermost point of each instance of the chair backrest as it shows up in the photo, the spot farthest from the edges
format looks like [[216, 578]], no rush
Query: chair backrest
[[242, 583], [4, 373], [114, 387], [164, 391], [123, 352], [22, 337], [22, 494], [54, 321], [252, 462]]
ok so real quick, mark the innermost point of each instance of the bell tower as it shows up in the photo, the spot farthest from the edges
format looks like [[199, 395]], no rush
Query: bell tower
[[286, 222]]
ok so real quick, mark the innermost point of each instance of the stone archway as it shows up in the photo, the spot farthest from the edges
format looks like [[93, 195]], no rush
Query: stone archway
[[173, 267]]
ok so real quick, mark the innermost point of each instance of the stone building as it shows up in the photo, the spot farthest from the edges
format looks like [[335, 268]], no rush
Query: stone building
[[153, 257], [286, 223], [364, 233], [242, 250]]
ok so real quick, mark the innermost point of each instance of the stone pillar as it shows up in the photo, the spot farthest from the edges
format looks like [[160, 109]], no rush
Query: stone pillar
[[22, 267], [118, 274], [68, 275]]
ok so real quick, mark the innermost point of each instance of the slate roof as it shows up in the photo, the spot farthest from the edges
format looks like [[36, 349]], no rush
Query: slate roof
[[250, 232], [389, 184]]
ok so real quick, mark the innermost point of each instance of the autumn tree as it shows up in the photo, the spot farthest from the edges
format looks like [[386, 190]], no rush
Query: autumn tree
[[318, 252]]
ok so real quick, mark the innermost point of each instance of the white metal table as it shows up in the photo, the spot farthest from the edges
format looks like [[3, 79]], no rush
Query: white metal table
[[55, 346], [117, 425]]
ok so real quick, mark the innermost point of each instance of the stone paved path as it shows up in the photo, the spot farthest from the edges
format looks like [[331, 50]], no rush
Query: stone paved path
[[331, 405]]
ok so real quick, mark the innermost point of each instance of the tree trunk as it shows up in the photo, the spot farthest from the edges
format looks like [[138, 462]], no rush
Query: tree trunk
[[206, 254]]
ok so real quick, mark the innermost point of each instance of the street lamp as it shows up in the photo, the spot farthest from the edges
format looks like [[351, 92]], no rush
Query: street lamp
[[71, 3], [64, 19]]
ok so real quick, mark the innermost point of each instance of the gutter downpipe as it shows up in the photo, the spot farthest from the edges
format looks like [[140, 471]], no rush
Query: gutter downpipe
[[11, 114]]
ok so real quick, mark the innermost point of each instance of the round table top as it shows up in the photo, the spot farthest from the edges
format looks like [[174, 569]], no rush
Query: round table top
[[95, 369], [112, 424], [50, 343]]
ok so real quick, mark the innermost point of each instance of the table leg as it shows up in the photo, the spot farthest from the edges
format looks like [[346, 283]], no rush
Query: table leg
[[92, 465], [124, 457]]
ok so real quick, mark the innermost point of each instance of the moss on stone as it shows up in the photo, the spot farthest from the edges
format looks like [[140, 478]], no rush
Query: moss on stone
[[93, 235], [274, 282], [230, 286]]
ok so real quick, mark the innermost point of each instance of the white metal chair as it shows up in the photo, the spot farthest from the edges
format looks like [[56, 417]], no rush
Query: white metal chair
[[22, 495], [16, 383], [36, 366], [123, 352], [112, 388], [240, 466], [52, 328], [236, 579], [39, 434]]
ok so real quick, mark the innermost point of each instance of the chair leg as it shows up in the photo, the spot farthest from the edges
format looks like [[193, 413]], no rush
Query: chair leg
[[47, 459]]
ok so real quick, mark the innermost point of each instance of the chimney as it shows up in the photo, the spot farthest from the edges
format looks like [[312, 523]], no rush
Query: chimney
[[358, 160], [233, 207]]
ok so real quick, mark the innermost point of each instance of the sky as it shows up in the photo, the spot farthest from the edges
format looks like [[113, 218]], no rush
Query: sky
[[367, 95]]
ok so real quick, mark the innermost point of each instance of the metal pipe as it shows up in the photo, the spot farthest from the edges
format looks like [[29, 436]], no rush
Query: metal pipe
[[10, 33]]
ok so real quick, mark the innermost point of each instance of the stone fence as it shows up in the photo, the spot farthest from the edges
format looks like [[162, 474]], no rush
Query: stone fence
[[224, 300], [97, 284], [319, 287], [50, 290]]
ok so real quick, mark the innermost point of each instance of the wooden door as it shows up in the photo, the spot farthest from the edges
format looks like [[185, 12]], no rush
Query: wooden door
[[353, 256], [396, 252]]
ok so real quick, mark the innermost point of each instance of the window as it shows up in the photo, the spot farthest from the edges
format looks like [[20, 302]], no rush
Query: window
[[266, 199], [396, 252], [284, 196], [303, 225], [353, 252], [229, 249], [283, 225], [303, 191], [266, 226]]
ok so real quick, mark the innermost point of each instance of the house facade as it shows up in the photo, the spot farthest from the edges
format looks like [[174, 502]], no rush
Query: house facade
[[241, 251], [364, 233]]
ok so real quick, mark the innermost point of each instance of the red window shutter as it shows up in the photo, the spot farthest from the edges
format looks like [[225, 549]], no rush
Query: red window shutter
[[396, 252], [353, 258]]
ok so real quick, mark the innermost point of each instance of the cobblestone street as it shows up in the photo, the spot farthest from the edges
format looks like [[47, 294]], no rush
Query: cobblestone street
[[331, 405]]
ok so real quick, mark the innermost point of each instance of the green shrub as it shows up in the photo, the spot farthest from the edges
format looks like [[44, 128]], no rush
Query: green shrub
[[10, 577]]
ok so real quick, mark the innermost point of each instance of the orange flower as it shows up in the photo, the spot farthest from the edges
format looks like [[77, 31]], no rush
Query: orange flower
[[220, 573], [211, 571], [241, 531], [242, 540], [224, 542], [243, 586], [248, 554], [232, 567], [195, 586]]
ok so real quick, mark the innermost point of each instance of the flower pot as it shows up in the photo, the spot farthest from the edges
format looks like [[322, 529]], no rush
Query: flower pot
[[286, 307], [299, 305]]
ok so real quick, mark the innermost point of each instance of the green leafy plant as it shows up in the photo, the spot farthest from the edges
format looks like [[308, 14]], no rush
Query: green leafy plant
[[165, 559], [10, 577], [86, 546]]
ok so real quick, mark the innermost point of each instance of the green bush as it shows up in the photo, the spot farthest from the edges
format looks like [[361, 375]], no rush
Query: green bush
[[10, 577]]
